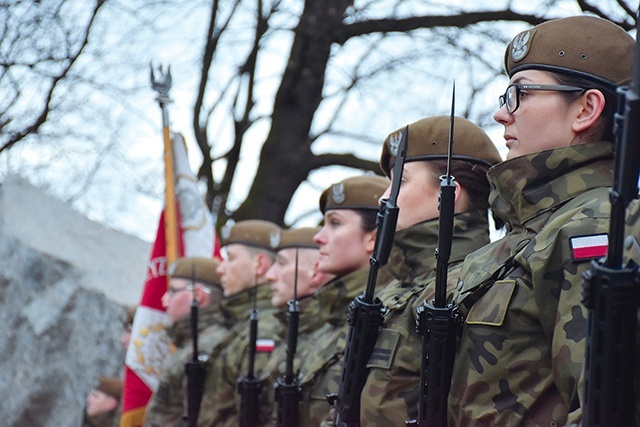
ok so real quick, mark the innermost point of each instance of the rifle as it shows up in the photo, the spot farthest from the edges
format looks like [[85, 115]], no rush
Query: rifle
[[611, 289], [288, 393], [437, 321], [248, 385], [366, 314], [194, 368]]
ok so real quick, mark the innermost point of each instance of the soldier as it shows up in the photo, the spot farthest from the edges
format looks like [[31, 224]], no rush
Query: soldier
[[296, 243], [248, 248], [346, 240], [391, 393], [282, 274], [190, 278], [102, 404], [522, 349]]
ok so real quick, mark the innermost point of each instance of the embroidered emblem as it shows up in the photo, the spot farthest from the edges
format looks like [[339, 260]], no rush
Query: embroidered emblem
[[337, 193], [520, 46], [589, 247], [394, 142], [274, 239]]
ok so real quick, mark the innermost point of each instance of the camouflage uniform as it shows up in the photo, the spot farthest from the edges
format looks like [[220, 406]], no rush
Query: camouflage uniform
[[310, 320], [521, 353], [168, 404], [391, 393], [221, 400]]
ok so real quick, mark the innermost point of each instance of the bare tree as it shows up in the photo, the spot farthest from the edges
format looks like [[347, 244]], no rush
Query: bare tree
[[323, 28], [292, 88]]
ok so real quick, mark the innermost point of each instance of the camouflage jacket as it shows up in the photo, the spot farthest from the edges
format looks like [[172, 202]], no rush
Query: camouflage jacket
[[310, 320], [321, 360], [168, 404], [391, 392], [521, 353], [221, 401]]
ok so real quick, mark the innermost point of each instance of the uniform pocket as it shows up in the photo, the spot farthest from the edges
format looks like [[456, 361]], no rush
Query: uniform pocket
[[491, 309], [385, 349]]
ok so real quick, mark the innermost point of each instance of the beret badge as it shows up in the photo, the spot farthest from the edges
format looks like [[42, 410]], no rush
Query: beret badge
[[520, 46]]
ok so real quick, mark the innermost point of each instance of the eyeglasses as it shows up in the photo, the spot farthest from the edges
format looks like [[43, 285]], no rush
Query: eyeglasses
[[511, 97], [172, 291]]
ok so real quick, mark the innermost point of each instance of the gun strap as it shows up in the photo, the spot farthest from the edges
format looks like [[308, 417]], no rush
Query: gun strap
[[474, 294]]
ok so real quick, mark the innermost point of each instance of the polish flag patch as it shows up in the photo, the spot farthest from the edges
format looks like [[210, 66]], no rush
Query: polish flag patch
[[589, 247], [265, 345]]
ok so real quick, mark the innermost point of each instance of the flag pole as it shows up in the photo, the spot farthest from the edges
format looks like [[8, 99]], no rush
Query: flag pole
[[162, 85]]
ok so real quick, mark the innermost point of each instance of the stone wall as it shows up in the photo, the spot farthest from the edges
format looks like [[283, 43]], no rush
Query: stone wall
[[65, 283]]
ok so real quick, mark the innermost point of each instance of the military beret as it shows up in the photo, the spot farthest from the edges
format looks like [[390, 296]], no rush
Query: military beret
[[252, 232], [111, 386], [582, 46], [428, 139], [358, 192], [199, 269], [299, 238]]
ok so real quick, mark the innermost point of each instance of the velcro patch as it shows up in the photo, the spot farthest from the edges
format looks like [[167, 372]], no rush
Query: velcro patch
[[385, 349], [264, 345], [589, 247]]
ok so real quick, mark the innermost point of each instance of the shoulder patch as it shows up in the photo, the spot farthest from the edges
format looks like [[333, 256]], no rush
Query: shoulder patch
[[589, 247], [264, 345]]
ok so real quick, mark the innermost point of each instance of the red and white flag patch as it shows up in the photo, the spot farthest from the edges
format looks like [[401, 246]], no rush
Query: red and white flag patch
[[264, 345], [589, 247]]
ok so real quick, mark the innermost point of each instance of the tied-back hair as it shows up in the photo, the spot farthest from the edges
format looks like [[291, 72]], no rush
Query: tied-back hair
[[604, 130], [471, 176], [367, 218]]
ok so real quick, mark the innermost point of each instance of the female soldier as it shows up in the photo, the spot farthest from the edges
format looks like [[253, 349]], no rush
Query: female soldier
[[346, 241], [391, 392], [522, 349]]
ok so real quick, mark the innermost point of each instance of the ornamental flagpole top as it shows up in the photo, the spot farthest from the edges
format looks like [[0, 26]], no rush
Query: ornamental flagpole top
[[161, 83]]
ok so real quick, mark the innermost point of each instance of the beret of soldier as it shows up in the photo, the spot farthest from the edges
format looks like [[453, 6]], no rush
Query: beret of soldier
[[198, 269], [428, 139], [298, 238], [111, 386], [582, 46], [358, 192], [256, 233]]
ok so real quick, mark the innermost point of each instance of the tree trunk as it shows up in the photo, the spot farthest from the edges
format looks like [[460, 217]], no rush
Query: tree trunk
[[286, 158]]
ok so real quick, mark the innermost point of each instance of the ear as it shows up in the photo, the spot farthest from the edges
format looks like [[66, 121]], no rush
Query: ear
[[370, 240], [461, 201], [262, 264], [590, 107]]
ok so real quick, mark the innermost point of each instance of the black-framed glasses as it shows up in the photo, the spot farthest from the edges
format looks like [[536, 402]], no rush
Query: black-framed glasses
[[511, 97]]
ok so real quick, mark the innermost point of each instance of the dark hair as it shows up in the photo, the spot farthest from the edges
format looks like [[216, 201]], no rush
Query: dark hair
[[471, 176], [368, 218], [605, 129]]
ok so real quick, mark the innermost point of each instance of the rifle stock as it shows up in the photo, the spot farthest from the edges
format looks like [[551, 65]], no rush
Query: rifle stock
[[611, 288], [437, 321], [366, 313]]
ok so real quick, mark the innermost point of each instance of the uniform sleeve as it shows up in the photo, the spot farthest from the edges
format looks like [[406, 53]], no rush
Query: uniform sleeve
[[557, 280], [166, 407]]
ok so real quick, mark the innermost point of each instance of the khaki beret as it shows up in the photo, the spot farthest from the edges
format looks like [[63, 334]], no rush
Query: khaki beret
[[299, 238], [358, 192], [111, 386], [252, 232], [428, 139], [583, 46], [198, 269]]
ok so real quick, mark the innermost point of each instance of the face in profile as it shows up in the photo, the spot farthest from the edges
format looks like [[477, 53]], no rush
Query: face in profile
[[344, 245], [237, 270]]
